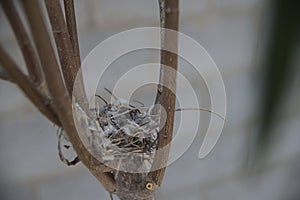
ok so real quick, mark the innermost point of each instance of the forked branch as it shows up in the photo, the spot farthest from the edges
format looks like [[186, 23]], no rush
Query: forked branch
[[30, 57], [59, 94], [27, 87]]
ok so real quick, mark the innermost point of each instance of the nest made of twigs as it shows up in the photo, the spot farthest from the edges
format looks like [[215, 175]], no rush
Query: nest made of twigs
[[131, 129], [120, 133]]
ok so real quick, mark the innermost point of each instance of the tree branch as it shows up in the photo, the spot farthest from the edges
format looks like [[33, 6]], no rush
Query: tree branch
[[27, 87], [61, 98], [63, 43], [70, 65], [170, 12], [72, 28], [29, 55]]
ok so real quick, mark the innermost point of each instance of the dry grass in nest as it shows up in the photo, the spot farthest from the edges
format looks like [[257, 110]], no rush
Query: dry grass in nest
[[120, 135]]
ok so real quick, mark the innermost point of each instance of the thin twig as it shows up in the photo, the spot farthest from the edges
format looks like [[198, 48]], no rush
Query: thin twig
[[111, 94], [102, 99], [202, 109], [30, 57], [27, 87], [61, 98], [137, 101], [170, 14]]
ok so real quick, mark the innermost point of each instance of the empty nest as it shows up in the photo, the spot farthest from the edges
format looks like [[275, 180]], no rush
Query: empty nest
[[119, 134]]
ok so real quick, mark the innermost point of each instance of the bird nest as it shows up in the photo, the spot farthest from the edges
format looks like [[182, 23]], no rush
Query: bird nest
[[120, 135]]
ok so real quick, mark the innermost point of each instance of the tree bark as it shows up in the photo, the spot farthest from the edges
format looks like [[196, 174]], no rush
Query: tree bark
[[170, 14], [44, 67]]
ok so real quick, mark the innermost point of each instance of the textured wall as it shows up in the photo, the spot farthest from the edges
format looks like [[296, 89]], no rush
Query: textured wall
[[230, 31]]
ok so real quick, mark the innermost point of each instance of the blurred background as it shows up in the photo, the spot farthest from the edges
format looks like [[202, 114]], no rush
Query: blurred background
[[237, 34]]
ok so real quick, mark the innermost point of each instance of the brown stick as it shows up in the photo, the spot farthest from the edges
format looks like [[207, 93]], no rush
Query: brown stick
[[69, 59], [62, 100], [72, 28], [63, 43], [165, 96], [24, 42], [27, 87]]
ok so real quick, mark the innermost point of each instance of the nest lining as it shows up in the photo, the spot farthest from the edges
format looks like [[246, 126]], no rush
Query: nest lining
[[129, 128]]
